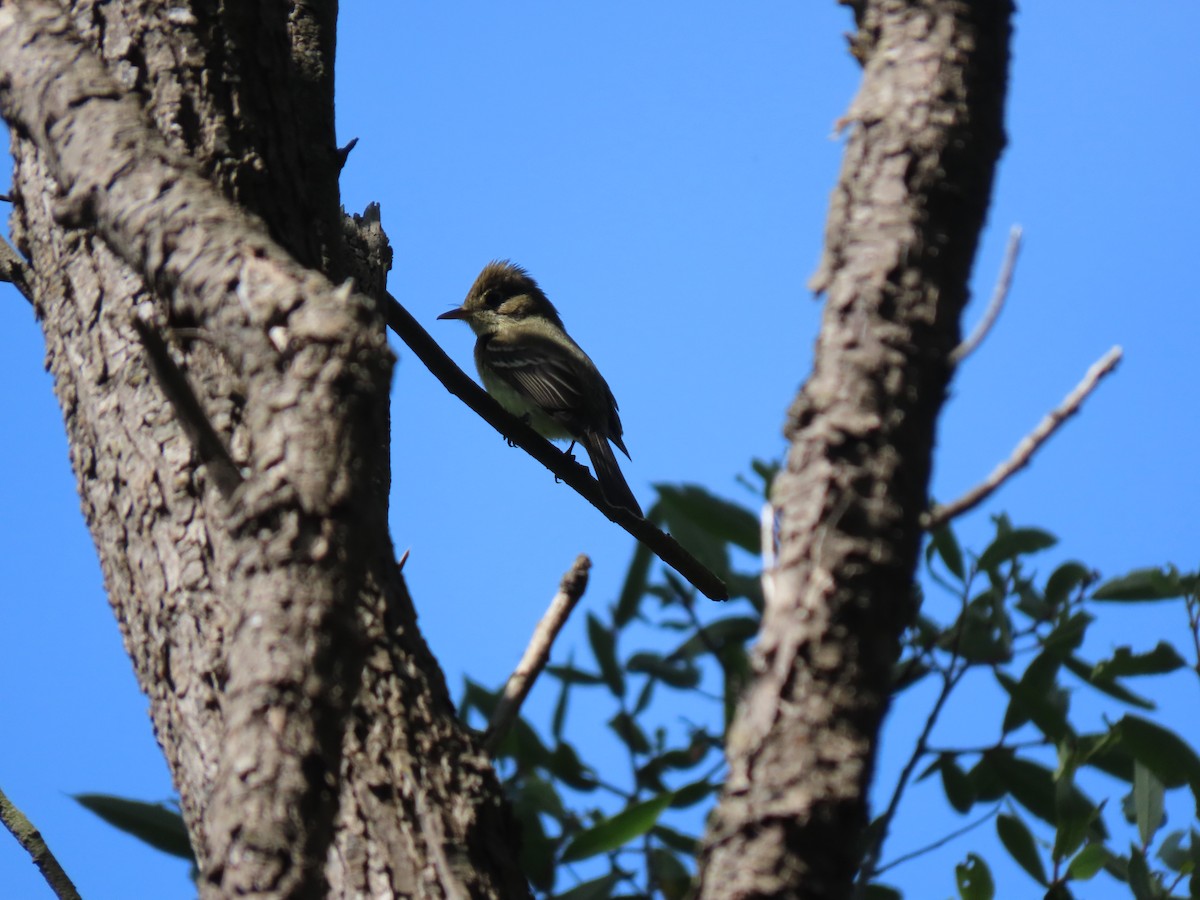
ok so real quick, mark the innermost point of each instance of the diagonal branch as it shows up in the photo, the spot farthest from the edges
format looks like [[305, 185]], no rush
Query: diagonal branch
[[35, 845], [15, 270], [1028, 446], [996, 304], [519, 684], [458, 383]]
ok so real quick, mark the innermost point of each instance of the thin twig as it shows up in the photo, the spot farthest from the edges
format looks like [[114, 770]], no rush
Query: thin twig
[[196, 425], [942, 841], [1029, 445], [565, 467], [570, 590], [31, 839], [996, 304], [950, 678], [15, 270]]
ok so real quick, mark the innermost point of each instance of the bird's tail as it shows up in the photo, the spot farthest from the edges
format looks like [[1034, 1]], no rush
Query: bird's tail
[[608, 473]]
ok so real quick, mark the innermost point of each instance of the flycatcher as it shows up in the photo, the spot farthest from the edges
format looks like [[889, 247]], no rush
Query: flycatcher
[[533, 368]]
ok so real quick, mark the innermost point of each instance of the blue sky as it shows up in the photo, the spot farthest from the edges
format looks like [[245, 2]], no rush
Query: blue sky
[[664, 171]]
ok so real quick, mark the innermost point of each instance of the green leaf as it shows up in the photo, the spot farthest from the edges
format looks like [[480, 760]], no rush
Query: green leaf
[[1159, 661], [675, 673], [882, 892], [1036, 697], [986, 632], [644, 696], [634, 587], [1162, 752], [1103, 751], [959, 789], [1143, 885], [715, 635], [1018, 841], [974, 879], [1142, 584], [1011, 544], [537, 851], [668, 874], [945, 543], [572, 675], [676, 840], [155, 824], [597, 889], [691, 794], [1088, 862], [710, 549], [1069, 633], [560, 711], [1147, 803], [1033, 786], [720, 518], [630, 733], [1176, 856], [534, 796], [604, 648], [1087, 673], [1074, 821], [1064, 581], [565, 765], [523, 745], [476, 696], [618, 830]]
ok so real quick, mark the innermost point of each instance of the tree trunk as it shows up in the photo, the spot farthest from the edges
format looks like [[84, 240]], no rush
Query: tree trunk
[[926, 132], [176, 163]]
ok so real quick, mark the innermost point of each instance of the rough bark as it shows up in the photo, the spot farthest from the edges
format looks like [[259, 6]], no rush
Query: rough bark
[[177, 162], [926, 130]]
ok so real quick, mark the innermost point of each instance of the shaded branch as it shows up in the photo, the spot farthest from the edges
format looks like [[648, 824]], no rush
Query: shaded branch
[[31, 839], [195, 423], [941, 842], [516, 689], [1029, 445], [15, 270], [996, 304], [462, 386]]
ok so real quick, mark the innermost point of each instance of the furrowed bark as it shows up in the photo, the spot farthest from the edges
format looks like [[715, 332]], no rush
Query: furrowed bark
[[163, 168], [926, 130]]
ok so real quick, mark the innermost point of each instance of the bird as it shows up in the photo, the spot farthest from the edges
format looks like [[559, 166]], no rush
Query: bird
[[537, 372]]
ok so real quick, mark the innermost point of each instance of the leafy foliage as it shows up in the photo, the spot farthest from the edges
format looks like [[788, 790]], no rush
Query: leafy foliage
[[595, 828], [1024, 633]]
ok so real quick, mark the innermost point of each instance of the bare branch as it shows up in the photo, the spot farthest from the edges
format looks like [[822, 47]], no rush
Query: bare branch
[[570, 591], [941, 842], [458, 383], [996, 304], [15, 270], [31, 839], [1029, 445]]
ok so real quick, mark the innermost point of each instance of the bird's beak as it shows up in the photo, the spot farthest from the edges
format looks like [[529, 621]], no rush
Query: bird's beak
[[458, 313]]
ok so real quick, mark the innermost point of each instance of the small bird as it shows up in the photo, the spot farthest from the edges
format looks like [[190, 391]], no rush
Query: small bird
[[533, 368]]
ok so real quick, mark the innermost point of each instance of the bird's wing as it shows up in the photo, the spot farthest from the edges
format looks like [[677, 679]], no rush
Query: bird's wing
[[542, 370]]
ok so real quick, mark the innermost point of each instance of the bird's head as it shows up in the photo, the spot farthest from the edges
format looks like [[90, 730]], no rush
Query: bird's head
[[503, 292]]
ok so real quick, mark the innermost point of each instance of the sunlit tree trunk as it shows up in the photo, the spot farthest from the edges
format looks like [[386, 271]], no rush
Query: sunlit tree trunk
[[925, 133]]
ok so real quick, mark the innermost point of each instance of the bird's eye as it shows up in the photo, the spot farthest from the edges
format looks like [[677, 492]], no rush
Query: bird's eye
[[492, 298]]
